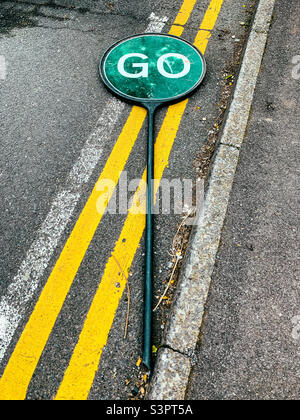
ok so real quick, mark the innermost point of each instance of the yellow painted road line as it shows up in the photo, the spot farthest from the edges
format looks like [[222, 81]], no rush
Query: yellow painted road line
[[85, 360], [84, 363], [182, 17], [22, 363], [208, 24], [25, 357], [185, 12]]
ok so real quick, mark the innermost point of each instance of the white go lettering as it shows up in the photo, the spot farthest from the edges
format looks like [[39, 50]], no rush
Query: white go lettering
[[143, 66], [184, 72], [160, 66]]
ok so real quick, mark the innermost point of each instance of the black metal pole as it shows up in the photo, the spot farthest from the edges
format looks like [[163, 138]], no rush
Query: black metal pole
[[149, 242]]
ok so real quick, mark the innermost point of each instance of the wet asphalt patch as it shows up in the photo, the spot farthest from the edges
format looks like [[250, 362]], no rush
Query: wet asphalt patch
[[15, 19]]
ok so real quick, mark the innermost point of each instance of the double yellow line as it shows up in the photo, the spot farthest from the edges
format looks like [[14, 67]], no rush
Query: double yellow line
[[84, 363]]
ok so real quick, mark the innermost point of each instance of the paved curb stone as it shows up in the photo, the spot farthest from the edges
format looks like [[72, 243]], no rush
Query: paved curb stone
[[183, 329]]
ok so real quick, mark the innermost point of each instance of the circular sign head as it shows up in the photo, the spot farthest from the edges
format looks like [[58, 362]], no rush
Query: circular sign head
[[153, 68]]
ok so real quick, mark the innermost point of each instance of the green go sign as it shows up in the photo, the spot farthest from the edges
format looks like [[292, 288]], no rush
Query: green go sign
[[153, 68]]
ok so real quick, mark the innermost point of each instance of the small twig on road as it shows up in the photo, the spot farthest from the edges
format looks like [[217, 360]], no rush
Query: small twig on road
[[177, 255]]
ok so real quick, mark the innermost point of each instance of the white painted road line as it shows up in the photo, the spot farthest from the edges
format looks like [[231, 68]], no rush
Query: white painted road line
[[27, 280], [3, 69], [173, 364]]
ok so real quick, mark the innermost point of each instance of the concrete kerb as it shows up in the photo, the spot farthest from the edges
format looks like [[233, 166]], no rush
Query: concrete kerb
[[174, 359]]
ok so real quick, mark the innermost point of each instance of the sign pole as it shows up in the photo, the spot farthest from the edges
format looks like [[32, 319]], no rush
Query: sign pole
[[152, 70], [149, 240]]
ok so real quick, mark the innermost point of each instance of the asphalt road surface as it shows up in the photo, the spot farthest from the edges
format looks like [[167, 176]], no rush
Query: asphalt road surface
[[64, 300], [249, 346]]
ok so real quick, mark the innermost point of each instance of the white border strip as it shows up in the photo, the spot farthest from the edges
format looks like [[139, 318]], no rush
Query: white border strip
[[3, 68], [173, 364]]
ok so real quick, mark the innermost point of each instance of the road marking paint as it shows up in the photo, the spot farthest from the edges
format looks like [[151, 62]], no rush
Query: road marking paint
[[185, 12], [208, 24], [182, 17], [80, 374], [176, 30], [34, 345], [35, 335], [157, 23], [27, 280], [3, 68]]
